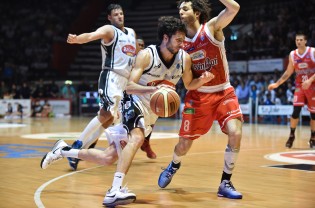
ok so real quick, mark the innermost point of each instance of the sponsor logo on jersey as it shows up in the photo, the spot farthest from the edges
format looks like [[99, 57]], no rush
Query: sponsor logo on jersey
[[303, 65], [198, 55], [207, 64], [202, 44], [153, 75], [129, 50]]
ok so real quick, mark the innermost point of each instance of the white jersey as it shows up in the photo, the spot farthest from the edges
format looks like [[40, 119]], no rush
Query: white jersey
[[119, 55], [159, 72]]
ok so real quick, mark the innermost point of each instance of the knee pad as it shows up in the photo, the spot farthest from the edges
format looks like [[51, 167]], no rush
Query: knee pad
[[296, 112], [313, 116]]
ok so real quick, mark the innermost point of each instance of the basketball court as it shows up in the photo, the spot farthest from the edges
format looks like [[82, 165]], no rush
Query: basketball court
[[266, 173]]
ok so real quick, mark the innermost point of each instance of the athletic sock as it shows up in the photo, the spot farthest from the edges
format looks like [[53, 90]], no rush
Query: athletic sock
[[226, 176], [118, 179], [292, 132], [69, 152]]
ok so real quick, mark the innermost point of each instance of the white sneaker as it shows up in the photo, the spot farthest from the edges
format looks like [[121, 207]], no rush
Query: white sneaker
[[118, 197], [54, 155]]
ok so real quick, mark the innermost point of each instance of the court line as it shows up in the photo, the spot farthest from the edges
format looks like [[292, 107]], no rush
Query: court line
[[38, 192]]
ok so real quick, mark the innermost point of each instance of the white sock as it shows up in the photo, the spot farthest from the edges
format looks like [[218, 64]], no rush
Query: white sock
[[96, 135], [70, 153], [176, 159], [230, 157], [89, 130], [118, 179]]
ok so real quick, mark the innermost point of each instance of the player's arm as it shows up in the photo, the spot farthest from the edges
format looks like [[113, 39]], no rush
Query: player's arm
[[288, 72], [142, 61], [105, 32], [188, 80], [226, 16]]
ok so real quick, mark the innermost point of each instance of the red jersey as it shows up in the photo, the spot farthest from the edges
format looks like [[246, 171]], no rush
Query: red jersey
[[208, 54], [304, 65]]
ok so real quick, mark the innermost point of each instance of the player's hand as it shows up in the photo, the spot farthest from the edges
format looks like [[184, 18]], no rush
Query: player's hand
[[272, 86], [306, 84], [206, 77], [72, 38]]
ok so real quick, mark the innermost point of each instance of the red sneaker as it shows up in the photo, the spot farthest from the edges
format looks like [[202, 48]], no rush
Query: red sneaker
[[147, 148]]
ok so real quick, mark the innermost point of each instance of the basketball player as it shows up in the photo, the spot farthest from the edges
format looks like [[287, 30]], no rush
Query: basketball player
[[302, 62], [118, 47], [156, 66], [216, 99]]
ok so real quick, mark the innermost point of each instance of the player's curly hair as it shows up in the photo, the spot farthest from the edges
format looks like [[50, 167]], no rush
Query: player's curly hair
[[202, 6], [169, 25]]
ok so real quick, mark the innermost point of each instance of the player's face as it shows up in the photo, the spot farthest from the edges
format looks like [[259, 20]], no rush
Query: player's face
[[186, 13], [300, 41], [117, 18], [140, 43], [175, 42]]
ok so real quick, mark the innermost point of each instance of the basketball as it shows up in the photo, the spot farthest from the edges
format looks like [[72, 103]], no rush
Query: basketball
[[165, 102]]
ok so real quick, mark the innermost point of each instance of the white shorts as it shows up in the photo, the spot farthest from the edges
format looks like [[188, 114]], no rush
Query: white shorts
[[110, 88]]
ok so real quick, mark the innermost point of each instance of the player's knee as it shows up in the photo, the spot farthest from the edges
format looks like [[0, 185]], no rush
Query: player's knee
[[313, 116], [296, 112], [136, 138]]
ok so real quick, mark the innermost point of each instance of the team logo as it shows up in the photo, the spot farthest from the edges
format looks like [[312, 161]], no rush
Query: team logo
[[189, 111], [129, 50]]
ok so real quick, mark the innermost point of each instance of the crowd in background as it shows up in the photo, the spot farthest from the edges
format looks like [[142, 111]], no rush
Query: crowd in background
[[29, 28]]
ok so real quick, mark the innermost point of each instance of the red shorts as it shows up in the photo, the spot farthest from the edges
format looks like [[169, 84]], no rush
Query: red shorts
[[201, 109], [302, 97]]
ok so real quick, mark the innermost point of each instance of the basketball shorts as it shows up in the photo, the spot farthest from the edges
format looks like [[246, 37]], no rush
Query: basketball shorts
[[302, 97], [110, 89], [201, 109], [137, 115]]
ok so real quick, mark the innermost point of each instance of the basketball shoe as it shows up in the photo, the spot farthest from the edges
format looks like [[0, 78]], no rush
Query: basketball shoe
[[226, 189], [73, 162], [118, 197], [290, 141], [167, 175], [54, 155], [146, 147]]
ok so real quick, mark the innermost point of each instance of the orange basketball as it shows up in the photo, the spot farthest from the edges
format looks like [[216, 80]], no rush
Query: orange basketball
[[165, 102]]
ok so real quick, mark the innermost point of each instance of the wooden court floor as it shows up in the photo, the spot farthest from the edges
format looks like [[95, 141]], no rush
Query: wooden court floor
[[290, 182]]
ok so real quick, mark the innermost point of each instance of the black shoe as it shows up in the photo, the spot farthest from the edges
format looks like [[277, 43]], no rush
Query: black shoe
[[312, 143], [290, 142]]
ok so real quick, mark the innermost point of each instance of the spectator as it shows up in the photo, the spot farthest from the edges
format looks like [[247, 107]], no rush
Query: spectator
[[242, 92]]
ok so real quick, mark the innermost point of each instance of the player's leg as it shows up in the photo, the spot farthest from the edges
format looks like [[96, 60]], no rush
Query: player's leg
[[231, 124], [294, 120], [197, 120], [181, 149], [146, 147], [312, 124], [234, 130], [61, 150], [116, 194]]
